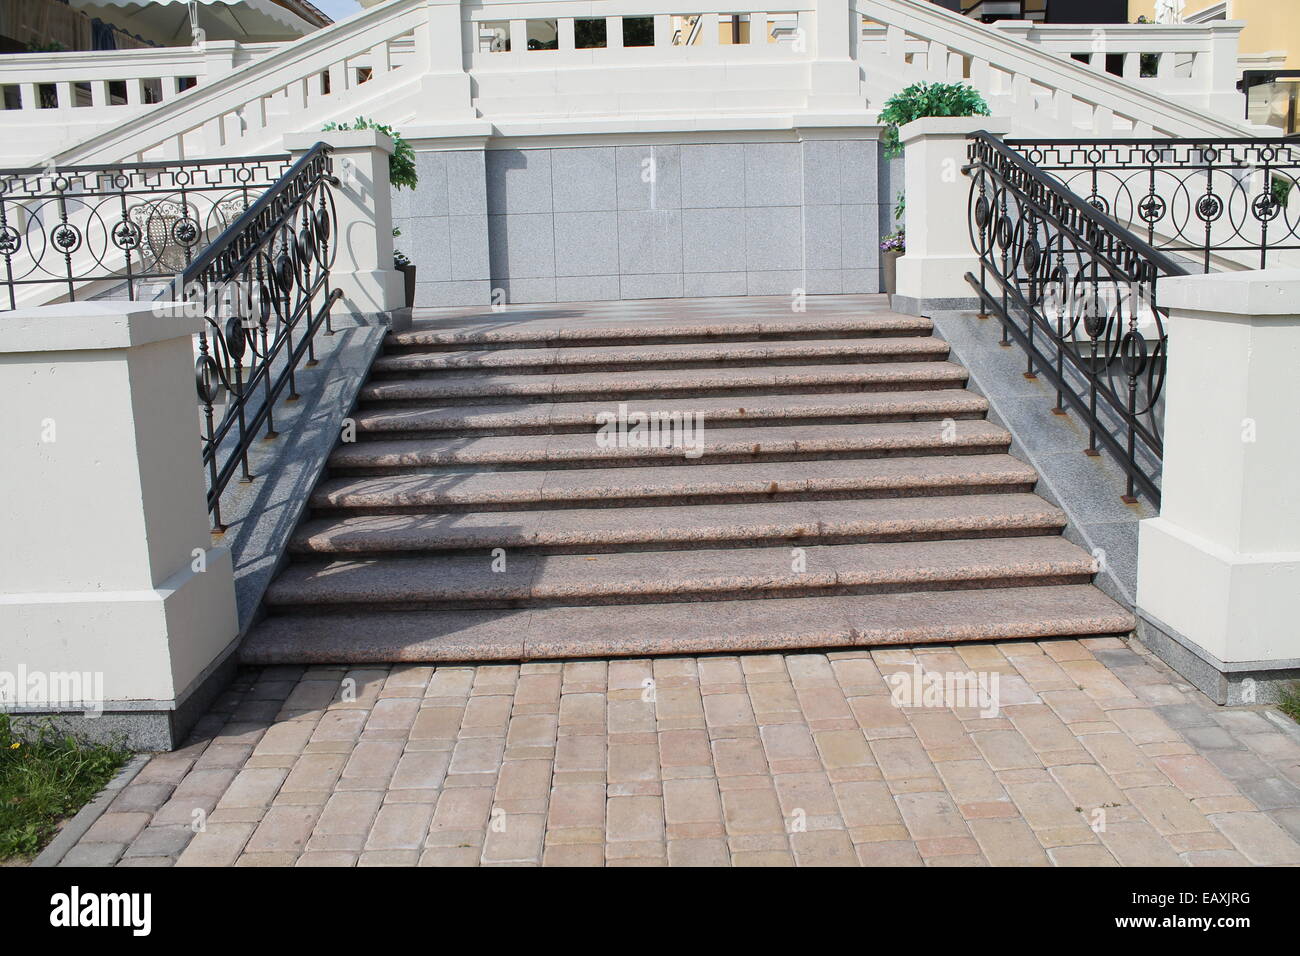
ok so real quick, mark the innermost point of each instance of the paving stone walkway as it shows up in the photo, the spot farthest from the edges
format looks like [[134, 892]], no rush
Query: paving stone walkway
[[1099, 755]]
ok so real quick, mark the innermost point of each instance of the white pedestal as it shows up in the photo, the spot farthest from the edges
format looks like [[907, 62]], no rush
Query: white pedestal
[[931, 275], [110, 590], [1219, 569]]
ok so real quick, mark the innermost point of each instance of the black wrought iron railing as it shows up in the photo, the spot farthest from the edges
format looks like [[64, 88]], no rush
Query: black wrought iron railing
[[111, 230], [1233, 201], [263, 288], [1077, 291]]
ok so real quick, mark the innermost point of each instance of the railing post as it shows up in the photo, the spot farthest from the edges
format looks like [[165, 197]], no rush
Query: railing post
[[939, 252], [835, 74], [1217, 572], [116, 582], [363, 265], [439, 44]]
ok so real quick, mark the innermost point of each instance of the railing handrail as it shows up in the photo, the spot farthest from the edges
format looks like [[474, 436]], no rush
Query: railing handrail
[[23, 172], [933, 21], [1164, 263], [232, 232]]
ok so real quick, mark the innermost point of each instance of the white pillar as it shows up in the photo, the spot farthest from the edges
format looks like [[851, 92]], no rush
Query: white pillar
[[939, 251], [363, 266], [834, 74], [1219, 569], [108, 570]]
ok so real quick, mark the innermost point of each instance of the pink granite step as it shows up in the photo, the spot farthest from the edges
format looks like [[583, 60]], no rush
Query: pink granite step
[[492, 332], [534, 580], [848, 491], [478, 386], [432, 420], [724, 445], [698, 484], [599, 530], [690, 627], [613, 358]]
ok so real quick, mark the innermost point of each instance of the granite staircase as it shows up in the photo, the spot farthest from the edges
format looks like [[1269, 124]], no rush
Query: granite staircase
[[846, 490]]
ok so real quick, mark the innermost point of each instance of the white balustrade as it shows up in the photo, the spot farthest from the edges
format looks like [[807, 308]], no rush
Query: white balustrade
[[536, 67]]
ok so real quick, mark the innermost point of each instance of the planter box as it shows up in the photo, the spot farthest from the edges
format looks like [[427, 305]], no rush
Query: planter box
[[889, 260], [408, 274]]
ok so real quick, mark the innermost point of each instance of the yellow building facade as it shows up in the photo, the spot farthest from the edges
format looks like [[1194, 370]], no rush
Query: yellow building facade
[[1272, 26]]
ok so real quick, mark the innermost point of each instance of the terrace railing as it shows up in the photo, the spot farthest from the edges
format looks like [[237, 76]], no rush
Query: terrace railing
[[263, 288], [1231, 200], [95, 230], [1077, 291]]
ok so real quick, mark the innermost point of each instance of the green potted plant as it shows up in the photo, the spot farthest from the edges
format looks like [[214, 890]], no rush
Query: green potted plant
[[893, 247], [401, 175], [927, 99]]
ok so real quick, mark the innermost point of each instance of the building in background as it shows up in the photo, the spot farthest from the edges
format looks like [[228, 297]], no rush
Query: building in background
[[1041, 11], [84, 25]]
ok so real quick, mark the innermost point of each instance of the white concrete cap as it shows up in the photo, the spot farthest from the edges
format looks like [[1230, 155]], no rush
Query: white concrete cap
[[1260, 293], [72, 326], [339, 139], [953, 126]]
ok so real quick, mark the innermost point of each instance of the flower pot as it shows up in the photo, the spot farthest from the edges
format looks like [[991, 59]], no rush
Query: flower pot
[[890, 263], [408, 274]]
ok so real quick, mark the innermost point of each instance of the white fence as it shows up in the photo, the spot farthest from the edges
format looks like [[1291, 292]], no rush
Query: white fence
[[531, 67]]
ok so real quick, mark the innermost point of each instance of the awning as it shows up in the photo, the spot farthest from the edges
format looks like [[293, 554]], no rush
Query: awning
[[168, 22]]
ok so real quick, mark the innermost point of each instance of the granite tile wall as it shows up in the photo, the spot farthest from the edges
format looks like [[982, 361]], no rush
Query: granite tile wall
[[625, 222]]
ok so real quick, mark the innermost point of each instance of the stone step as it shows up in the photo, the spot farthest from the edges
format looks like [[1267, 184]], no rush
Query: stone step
[[918, 617], [698, 484], [535, 580], [676, 445], [508, 331], [661, 384], [694, 356], [433, 421], [600, 530]]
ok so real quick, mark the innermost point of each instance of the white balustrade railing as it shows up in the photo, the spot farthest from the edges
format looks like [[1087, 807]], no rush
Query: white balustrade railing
[[1041, 90], [525, 67], [1195, 63], [57, 99]]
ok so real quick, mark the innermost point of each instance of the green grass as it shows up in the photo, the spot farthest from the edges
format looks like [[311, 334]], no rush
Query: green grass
[[1289, 702], [44, 778]]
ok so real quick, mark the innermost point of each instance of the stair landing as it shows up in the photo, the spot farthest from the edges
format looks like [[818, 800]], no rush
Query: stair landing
[[845, 491]]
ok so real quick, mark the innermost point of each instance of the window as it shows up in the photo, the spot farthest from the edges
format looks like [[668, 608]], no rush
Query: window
[[589, 33], [494, 36], [638, 31], [543, 35]]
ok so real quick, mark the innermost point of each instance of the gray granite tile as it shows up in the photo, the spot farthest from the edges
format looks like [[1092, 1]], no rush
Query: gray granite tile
[[649, 241], [466, 182], [470, 258], [821, 172], [430, 197], [822, 237], [475, 292], [522, 246], [583, 179], [772, 238], [518, 181], [772, 174], [651, 286], [774, 283], [859, 180], [713, 240], [649, 177], [586, 288], [428, 243], [714, 283], [713, 175], [527, 290], [585, 243]]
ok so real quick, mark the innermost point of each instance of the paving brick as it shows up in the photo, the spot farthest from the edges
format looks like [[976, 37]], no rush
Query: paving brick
[[1259, 838], [218, 845], [634, 818]]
